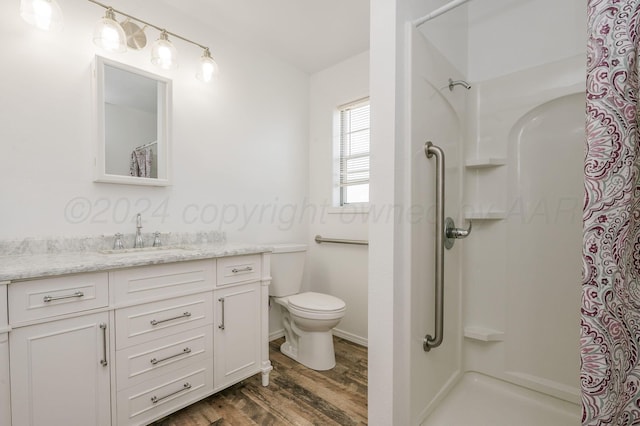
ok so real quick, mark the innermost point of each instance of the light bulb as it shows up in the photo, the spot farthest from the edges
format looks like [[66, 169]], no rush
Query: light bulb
[[208, 67], [163, 54], [108, 34], [43, 14]]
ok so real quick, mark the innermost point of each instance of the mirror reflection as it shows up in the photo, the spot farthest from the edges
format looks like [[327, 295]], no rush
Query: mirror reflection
[[133, 120], [131, 123]]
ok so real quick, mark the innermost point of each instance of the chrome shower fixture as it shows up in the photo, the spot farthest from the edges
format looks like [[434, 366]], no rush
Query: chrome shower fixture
[[455, 83]]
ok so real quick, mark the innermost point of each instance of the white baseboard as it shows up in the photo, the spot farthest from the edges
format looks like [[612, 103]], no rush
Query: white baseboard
[[276, 334], [351, 337], [336, 332]]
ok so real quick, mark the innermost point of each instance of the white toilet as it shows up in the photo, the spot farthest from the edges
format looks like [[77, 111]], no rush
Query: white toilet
[[309, 317]]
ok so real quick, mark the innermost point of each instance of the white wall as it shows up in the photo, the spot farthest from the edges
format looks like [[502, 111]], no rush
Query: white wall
[[339, 270], [448, 33], [240, 145], [523, 60], [390, 240], [138, 127], [512, 35]]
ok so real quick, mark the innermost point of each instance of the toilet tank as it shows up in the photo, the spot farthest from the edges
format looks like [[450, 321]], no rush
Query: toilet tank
[[287, 266]]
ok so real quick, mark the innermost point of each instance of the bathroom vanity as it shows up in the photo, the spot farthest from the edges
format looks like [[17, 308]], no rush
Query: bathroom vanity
[[128, 338]]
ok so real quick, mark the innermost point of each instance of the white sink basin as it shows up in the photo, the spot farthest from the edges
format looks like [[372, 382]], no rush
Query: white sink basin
[[149, 250]]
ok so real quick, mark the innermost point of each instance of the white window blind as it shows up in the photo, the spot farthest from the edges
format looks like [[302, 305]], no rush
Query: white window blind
[[354, 153]]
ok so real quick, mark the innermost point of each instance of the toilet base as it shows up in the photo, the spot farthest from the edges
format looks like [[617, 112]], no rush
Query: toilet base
[[315, 350]]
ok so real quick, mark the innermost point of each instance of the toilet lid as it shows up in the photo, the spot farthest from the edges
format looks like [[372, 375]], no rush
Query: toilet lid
[[319, 302]]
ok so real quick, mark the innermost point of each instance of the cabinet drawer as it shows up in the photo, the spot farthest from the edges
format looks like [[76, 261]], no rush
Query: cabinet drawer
[[160, 396], [150, 321], [143, 362], [4, 314], [49, 297], [238, 269], [160, 281]]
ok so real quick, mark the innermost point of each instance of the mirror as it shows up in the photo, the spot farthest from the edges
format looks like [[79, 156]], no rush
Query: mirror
[[133, 124]]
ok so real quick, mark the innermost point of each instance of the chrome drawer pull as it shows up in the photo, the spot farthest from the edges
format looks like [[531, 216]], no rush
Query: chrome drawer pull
[[184, 352], [247, 269], [185, 315], [103, 361], [185, 387], [48, 299], [221, 326]]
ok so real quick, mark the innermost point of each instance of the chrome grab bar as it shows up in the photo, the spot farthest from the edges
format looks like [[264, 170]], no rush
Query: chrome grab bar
[[47, 299], [429, 341], [446, 234], [185, 315], [185, 386], [320, 240], [185, 351]]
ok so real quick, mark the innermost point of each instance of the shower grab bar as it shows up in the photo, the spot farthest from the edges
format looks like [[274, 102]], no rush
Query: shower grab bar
[[320, 240], [429, 341]]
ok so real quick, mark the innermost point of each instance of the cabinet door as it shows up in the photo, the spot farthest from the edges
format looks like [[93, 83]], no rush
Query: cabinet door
[[59, 373], [237, 334], [5, 398]]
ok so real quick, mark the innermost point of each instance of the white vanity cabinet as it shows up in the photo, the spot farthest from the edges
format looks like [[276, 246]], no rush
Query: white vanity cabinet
[[237, 334], [237, 340], [164, 347], [59, 372], [132, 345], [59, 353], [5, 387]]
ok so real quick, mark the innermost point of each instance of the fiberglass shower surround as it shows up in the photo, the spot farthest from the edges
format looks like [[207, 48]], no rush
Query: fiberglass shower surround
[[514, 145]]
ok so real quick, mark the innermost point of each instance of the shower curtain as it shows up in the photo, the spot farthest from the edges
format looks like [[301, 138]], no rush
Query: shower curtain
[[610, 322]]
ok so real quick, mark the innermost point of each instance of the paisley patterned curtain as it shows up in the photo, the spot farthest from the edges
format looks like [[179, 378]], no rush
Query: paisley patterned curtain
[[610, 324]]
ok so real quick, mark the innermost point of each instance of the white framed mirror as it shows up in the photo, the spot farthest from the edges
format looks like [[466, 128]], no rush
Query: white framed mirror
[[133, 123]]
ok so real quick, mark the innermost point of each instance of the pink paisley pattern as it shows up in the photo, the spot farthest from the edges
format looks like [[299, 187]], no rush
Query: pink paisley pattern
[[610, 324]]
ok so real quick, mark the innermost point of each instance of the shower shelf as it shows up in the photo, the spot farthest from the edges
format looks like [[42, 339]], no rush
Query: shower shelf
[[486, 215], [483, 334], [483, 163]]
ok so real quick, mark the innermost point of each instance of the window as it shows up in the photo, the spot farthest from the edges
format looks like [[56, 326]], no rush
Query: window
[[354, 152]]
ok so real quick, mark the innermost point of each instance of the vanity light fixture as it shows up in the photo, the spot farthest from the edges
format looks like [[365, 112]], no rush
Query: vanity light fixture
[[136, 38], [163, 53], [108, 34], [208, 67], [43, 14]]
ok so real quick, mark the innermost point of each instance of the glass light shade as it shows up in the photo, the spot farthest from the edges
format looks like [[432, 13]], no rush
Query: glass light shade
[[109, 35], [43, 14], [208, 67], [163, 54]]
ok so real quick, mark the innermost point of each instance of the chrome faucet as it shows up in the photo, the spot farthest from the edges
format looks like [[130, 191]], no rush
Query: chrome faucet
[[117, 243], [156, 240], [139, 243]]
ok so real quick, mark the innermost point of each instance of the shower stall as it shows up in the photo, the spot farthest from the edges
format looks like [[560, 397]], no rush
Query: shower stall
[[513, 143]]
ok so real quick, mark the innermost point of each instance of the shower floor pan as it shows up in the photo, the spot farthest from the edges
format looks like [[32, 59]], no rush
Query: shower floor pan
[[480, 400]]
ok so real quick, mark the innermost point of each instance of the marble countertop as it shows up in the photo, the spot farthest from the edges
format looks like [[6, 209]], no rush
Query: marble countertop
[[27, 266]]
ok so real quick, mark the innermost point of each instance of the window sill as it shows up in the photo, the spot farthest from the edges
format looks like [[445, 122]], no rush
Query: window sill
[[351, 209]]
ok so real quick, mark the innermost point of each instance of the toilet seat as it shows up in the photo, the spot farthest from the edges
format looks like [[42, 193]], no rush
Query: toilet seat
[[316, 302], [312, 305]]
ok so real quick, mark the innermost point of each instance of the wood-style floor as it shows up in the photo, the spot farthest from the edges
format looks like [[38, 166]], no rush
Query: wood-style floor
[[296, 395]]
